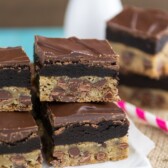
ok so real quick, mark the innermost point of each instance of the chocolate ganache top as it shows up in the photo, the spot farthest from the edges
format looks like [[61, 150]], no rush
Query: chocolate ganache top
[[70, 113], [13, 56], [16, 126], [144, 23], [74, 50]]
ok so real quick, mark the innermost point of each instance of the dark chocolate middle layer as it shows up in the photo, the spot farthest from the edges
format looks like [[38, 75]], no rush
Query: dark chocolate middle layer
[[77, 70], [21, 147], [11, 77], [134, 80], [91, 133], [147, 45]]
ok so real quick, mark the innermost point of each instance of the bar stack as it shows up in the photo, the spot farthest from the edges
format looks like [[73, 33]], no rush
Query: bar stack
[[77, 85], [20, 144], [140, 36]]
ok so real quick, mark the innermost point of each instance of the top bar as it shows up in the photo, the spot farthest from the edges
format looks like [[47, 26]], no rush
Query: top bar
[[145, 29], [76, 70]]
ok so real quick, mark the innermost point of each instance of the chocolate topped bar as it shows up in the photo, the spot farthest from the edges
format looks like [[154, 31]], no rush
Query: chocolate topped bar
[[18, 133], [60, 56], [14, 67], [84, 120], [85, 133], [145, 29]]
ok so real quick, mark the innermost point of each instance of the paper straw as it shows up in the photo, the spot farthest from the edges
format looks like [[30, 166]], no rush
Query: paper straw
[[146, 116]]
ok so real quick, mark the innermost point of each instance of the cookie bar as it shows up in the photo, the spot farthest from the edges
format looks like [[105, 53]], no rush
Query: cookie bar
[[15, 80], [74, 70], [84, 133], [143, 91], [20, 144], [140, 36]]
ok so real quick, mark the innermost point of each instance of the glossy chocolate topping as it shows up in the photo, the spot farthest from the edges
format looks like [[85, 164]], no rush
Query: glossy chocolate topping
[[13, 56], [63, 114], [141, 22], [74, 50], [16, 126]]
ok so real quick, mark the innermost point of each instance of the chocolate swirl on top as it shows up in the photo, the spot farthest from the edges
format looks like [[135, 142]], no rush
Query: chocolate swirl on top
[[12, 56], [16, 126], [141, 22], [73, 50], [62, 114]]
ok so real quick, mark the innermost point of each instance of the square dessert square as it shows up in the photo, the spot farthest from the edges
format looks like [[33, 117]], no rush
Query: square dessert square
[[143, 91], [76, 70], [84, 133], [20, 144], [140, 36], [15, 80]]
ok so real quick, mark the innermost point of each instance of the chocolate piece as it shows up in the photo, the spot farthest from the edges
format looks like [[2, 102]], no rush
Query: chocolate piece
[[85, 121], [74, 152], [100, 156], [26, 100], [145, 29], [4, 95], [134, 80], [18, 133]]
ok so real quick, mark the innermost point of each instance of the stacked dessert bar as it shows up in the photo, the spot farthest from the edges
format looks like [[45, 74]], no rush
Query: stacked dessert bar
[[77, 85], [19, 140], [140, 36]]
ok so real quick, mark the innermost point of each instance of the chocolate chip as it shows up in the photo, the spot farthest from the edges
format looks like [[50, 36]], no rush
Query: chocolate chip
[[5, 95], [146, 98], [147, 64], [74, 152], [104, 145], [159, 100], [108, 96], [100, 83], [100, 156], [18, 161], [26, 100], [58, 155], [123, 146], [85, 157], [56, 92], [127, 57]]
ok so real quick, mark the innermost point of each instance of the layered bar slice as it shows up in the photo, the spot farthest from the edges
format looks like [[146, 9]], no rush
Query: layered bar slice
[[140, 36], [143, 91], [75, 70], [20, 145], [84, 133], [15, 80]]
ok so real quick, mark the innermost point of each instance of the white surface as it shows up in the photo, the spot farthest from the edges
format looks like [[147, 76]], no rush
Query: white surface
[[140, 146], [87, 18]]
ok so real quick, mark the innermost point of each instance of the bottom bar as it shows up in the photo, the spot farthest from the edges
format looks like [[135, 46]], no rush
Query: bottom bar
[[144, 97], [25, 160], [90, 152]]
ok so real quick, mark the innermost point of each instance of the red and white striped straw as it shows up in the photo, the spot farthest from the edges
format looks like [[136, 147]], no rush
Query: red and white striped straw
[[143, 115]]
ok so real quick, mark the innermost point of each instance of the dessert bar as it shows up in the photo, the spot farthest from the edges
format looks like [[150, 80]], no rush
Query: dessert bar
[[20, 144], [140, 37], [75, 70], [15, 80], [84, 133]]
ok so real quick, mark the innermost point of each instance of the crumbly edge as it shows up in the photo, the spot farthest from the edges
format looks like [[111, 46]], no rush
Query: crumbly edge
[[137, 61], [144, 97], [14, 104], [83, 89], [90, 152], [28, 160]]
